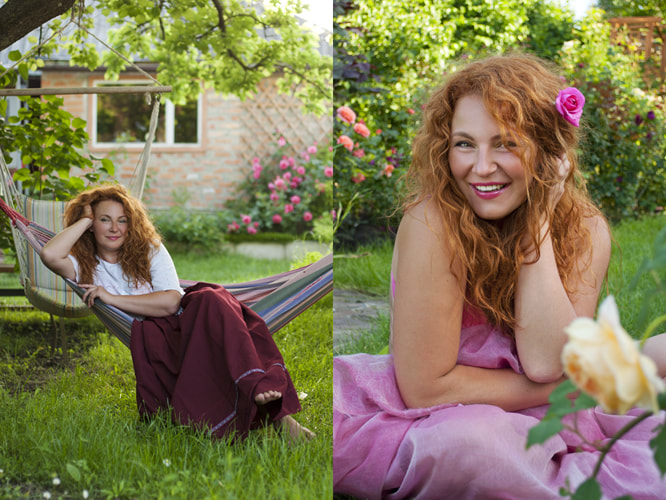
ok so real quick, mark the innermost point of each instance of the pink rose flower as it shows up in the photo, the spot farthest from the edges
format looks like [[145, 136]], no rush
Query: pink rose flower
[[307, 216], [362, 130], [251, 230], [291, 161], [388, 170], [411, 111], [293, 184], [569, 104], [378, 131], [288, 208], [279, 183], [328, 171], [359, 153], [246, 219], [312, 149], [295, 199], [346, 114], [334, 214], [357, 179], [277, 218], [306, 157], [287, 176], [300, 170], [346, 142], [282, 141], [255, 160], [274, 196], [256, 224]]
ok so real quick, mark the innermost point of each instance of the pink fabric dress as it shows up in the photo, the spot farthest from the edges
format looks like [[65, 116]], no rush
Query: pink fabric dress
[[381, 449]]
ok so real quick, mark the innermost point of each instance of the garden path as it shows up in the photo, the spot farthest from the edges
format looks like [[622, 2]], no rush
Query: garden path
[[354, 312]]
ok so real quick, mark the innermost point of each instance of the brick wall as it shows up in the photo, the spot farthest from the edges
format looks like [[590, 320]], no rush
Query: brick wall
[[230, 137]]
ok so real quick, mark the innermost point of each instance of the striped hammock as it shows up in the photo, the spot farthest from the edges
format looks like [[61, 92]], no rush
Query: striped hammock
[[277, 299]]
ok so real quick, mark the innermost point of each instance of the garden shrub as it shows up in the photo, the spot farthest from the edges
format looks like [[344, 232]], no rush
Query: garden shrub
[[184, 229], [284, 194], [623, 151]]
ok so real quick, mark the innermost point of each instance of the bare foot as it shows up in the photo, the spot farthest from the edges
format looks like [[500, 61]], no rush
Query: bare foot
[[266, 397], [295, 431]]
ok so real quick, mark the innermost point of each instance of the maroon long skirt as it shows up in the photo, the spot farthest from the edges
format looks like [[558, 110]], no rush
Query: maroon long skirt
[[206, 365]]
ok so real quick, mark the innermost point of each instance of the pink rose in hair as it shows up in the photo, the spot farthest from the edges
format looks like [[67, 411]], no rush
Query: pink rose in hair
[[569, 104]]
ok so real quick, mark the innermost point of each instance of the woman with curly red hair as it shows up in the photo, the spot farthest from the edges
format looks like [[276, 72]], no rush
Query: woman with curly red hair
[[499, 249], [198, 353]]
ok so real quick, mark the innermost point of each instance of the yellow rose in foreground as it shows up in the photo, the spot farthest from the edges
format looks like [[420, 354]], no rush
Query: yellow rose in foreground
[[605, 362]]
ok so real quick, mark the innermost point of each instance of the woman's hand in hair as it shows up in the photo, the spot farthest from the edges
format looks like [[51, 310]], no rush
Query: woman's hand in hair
[[87, 212], [564, 166]]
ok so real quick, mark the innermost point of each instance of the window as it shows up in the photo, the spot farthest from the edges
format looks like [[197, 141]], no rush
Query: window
[[125, 119]]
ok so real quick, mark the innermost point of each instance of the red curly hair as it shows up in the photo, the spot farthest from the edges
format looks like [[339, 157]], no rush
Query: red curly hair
[[140, 240], [519, 91]]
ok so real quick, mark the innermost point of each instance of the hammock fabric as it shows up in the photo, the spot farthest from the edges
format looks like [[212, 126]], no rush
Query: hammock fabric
[[277, 299]]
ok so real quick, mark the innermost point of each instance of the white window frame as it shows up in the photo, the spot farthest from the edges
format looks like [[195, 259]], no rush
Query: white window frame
[[169, 119]]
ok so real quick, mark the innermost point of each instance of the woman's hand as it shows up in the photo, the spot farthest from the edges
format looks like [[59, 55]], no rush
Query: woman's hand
[[93, 292], [87, 212], [563, 171]]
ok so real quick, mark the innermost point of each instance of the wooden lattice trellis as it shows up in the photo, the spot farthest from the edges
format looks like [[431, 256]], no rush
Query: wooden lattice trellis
[[269, 113], [649, 33]]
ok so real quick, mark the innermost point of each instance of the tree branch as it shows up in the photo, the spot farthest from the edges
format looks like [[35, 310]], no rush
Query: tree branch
[[20, 17]]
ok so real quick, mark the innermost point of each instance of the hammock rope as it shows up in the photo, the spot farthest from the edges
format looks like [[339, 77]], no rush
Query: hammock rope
[[278, 299]]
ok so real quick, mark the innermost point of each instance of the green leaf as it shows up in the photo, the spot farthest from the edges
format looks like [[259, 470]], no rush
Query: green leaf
[[661, 399], [545, 429], [79, 123], [74, 472], [588, 490], [26, 159], [14, 55], [24, 71], [3, 107], [658, 444], [107, 166]]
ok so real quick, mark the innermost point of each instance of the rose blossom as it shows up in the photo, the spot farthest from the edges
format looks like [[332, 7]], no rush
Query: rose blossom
[[300, 170], [281, 141], [346, 114], [569, 104], [251, 230], [312, 149], [328, 171], [362, 130], [284, 164], [604, 361], [295, 199], [277, 218], [357, 179], [279, 183], [288, 208], [346, 142], [388, 170], [246, 219], [359, 153], [307, 216], [274, 196]]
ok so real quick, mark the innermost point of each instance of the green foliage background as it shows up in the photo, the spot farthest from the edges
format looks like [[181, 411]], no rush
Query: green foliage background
[[390, 54]]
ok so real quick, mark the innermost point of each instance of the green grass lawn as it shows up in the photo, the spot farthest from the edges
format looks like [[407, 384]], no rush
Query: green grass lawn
[[368, 270], [74, 430]]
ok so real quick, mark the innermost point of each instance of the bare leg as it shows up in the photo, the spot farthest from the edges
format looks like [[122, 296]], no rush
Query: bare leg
[[655, 348]]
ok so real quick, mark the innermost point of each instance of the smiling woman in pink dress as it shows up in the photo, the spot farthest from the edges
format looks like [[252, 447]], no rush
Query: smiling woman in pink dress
[[499, 249]]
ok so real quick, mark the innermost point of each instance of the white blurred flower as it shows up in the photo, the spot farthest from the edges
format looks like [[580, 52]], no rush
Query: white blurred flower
[[637, 92], [56, 481], [85, 494], [605, 362], [568, 45], [302, 395], [166, 462], [47, 494]]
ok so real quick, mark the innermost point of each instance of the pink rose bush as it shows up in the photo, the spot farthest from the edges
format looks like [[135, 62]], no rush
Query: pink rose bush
[[284, 193], [370, 157]]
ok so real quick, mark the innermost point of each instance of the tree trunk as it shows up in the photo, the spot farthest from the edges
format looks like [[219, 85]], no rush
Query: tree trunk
[[19, 17]]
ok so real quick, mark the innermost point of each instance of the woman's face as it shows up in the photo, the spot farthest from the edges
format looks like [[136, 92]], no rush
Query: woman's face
[[486, 168], [109, 228]]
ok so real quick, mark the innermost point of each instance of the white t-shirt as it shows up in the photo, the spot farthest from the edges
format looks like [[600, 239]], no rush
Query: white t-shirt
[[111, 276]]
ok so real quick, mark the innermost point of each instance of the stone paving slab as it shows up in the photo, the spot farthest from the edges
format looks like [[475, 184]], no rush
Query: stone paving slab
[[354, 312]]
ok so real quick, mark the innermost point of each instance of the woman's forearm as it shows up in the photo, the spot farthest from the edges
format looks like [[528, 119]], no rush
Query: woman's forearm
[[155, 304], [467, 385], [543, 310], [55, 254]]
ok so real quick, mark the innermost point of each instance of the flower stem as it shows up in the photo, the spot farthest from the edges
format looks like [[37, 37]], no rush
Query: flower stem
[[616, 437]]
